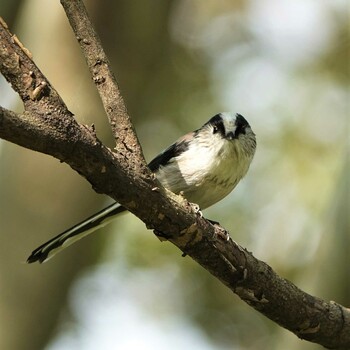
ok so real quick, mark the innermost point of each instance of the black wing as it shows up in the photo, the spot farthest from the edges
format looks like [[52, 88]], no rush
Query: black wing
[[180, 146]]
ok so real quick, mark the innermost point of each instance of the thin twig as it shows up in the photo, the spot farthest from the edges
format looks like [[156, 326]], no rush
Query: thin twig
[[104, 79]]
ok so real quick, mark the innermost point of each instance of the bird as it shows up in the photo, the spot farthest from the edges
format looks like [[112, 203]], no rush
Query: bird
[[204, 166]]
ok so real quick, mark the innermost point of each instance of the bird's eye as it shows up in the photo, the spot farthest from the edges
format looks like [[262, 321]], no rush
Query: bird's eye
[[217, 125]]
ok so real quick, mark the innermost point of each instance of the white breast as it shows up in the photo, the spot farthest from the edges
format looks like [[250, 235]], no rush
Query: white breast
[[205, 174]]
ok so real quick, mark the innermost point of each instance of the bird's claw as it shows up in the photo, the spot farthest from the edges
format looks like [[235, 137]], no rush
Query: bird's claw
[[220, 231], [196, 209]]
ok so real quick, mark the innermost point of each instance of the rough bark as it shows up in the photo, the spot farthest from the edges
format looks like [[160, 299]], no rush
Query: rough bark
[[47, 126]]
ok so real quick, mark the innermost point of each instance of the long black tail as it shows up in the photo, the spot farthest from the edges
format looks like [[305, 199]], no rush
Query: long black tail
[[47, 250]]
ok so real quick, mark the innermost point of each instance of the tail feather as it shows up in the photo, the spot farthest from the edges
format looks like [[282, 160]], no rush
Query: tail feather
[[47, 250]]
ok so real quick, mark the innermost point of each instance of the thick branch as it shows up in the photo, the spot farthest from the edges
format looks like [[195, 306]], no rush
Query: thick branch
[[47, 126]]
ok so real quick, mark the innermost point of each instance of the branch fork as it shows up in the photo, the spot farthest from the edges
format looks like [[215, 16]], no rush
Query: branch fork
[[47, 126]]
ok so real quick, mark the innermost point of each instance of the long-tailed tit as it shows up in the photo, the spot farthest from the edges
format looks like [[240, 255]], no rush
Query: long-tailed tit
[[205, 165]]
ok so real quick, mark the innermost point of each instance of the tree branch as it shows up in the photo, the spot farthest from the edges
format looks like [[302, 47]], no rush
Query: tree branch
[[47, 126], [106, 84]]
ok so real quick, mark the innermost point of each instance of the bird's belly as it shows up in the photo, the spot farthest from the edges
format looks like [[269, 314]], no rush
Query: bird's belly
[[210, 190], [201, 184]]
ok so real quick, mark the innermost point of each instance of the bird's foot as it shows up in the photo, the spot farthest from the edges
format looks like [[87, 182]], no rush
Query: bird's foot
[[196, 209], [220, 231]]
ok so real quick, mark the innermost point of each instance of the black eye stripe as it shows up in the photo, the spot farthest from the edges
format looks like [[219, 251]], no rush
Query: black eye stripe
[[217, 124], [241, 125]]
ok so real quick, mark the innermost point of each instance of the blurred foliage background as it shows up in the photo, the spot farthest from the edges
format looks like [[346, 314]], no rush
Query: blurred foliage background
[[284, 65]]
